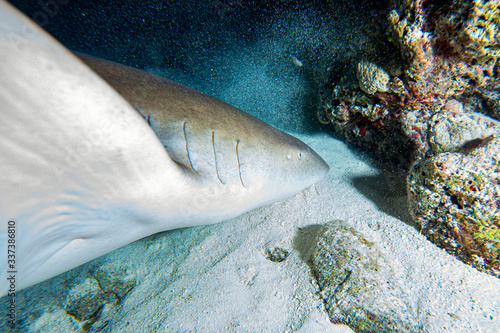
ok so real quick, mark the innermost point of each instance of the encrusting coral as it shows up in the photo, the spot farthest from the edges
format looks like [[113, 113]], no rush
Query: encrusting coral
[[455, 197], [426, 103], [372, 78]]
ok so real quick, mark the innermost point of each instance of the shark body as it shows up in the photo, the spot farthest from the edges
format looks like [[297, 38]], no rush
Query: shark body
[[83, 173]]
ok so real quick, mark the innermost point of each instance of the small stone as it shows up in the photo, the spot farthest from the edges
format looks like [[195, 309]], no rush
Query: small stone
[[113, 283], [85, 301], [92, 302], [276, 254]]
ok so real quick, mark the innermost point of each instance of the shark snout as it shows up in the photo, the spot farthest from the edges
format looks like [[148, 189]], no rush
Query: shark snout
[[309, 166], [317, 166]]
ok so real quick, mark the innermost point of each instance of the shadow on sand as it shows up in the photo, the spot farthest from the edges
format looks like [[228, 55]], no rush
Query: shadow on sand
[[388, 191]]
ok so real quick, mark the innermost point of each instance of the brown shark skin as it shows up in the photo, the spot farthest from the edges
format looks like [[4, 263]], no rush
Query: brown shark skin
[[182, 116]]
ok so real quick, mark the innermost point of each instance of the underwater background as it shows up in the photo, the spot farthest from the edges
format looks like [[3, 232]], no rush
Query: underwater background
[[239, 51], [270, 269]]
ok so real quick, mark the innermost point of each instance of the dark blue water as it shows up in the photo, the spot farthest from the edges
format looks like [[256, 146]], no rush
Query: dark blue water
[[240, 51]]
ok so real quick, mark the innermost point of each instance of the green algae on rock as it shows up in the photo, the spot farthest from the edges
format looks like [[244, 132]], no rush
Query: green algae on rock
[[357, 281], [455, 198]]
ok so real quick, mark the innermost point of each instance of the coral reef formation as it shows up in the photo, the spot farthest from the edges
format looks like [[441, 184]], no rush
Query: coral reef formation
[[452, 130], [372, 78], [356, 279], [455, 195], [426, 96], [447, 50]]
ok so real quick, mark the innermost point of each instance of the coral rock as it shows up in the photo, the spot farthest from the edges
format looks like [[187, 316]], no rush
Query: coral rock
[[85, 302], [372, 78], [455, 198], [454, 130], [472, 29], [92, 302], [357, 281]]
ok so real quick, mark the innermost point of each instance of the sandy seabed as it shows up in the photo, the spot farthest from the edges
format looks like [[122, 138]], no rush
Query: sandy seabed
[[219, 279]]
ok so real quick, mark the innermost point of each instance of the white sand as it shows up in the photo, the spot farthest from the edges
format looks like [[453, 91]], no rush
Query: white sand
[[217, 278]]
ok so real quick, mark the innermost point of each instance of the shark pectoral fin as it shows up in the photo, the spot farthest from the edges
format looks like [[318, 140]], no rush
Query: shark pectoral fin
[[77, 161]]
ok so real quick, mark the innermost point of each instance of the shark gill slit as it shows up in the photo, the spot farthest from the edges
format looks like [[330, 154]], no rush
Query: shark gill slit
[[187, 149], [239, 164], [215, 158]]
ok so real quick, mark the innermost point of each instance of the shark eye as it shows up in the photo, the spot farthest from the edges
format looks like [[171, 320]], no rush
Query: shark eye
[[300, 155]]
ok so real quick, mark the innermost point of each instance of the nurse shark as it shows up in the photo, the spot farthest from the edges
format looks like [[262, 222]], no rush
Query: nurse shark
[[95, 155]]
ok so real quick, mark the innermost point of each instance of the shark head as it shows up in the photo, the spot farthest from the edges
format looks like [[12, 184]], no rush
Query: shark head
[[285, 165], [232, 161], [237, 170]]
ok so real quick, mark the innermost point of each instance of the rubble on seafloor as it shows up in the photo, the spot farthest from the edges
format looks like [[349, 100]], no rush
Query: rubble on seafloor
[[432, 102], [88, 304]]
